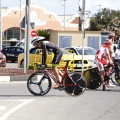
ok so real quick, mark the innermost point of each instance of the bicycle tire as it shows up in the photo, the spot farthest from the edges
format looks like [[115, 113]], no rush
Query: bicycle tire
[[39, 83], [92, 78], [72, 89], [117, 77]]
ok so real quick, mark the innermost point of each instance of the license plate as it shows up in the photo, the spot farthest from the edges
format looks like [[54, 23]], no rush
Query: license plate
[[79, 65]]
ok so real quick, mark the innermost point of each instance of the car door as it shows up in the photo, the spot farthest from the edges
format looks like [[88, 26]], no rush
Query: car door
[[18, 50], [10, 54], [35, 55]]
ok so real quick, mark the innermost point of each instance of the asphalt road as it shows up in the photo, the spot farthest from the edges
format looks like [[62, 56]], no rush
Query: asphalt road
[[16, 103]]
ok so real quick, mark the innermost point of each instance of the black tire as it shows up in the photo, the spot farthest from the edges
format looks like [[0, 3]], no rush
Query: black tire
[[92, 78], [22, 64], [117, 77], [72, 89], [39, 83]]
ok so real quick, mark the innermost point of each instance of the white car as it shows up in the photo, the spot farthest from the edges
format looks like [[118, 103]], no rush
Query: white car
[[89, 53]]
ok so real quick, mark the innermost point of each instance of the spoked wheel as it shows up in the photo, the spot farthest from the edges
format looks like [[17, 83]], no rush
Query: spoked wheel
[[75, 90], [39, 83]]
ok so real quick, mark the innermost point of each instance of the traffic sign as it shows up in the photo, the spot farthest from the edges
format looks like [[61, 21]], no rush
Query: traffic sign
[[33, 33]]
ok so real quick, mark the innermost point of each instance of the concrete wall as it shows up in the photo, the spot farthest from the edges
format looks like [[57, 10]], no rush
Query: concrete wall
[[77, 36]]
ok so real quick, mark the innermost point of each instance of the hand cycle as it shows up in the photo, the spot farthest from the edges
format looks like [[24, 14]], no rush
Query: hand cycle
[[39, 83], [93, 78]]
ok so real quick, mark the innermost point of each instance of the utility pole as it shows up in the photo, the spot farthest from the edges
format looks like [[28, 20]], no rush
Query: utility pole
[[82, 13], [0, 24], [20, 20], [27, 35], [64, 11], [98, 6]]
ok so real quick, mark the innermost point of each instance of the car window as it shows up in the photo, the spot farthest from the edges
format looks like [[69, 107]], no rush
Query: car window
[[35, 51], [65, 52], [11, 49], [87, 51], [5, 49], [79, 50], [70, 50], [19, 50]]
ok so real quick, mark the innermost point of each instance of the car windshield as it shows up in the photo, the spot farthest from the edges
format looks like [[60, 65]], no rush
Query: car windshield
[[65, 52], [87, 51]]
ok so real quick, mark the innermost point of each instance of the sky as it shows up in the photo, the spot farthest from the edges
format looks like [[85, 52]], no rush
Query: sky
[[71, 6]]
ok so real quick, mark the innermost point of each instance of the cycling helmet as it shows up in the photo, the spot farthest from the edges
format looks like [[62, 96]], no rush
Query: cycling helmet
[[37, 39], [111, 35], [107, 41]]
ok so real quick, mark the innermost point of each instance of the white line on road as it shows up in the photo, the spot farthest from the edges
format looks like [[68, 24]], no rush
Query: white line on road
[[3, 107], [24, 102]]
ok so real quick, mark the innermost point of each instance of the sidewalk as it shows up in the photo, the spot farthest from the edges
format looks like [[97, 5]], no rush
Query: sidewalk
[[14, 78], [11, 74]]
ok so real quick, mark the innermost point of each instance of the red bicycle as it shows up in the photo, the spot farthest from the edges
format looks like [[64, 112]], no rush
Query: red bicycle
[[39, 83]]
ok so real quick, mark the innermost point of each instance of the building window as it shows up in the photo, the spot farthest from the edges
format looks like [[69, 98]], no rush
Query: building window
[[65, 41]]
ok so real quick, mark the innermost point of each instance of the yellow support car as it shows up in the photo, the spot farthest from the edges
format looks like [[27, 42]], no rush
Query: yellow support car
[[35, 56]]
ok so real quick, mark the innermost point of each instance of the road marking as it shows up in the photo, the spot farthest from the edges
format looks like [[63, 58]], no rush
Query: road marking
[[7, 114], [3, 107]]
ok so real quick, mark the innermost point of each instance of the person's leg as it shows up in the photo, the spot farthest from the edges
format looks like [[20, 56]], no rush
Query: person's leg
[[108, 74], [101, 70], [60, 72], [56, 72]]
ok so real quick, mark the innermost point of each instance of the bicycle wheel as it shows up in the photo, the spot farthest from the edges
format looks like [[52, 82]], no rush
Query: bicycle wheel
[[117, 76], [39, 83], [70, 88], [92, 78]]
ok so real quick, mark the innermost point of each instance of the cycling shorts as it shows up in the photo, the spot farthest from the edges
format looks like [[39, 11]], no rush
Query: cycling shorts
[[100, 63], [57, 58]]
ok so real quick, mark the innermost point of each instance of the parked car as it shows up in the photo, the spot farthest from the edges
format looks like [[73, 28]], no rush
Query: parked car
[[2, 60], [36, 56], [89, 53], [12, 53]]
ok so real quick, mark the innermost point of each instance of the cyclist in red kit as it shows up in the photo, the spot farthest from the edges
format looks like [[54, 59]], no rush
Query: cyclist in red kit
[[103, 58]]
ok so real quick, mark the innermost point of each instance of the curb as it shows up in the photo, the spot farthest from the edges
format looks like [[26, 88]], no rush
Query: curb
[[13, 78], [4, 78]]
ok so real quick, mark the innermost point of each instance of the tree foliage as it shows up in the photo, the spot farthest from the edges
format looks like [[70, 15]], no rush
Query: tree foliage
[[43, 33], [106, 20]]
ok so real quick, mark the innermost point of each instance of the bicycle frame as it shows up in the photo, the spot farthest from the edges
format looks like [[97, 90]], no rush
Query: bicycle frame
[[65, 69]]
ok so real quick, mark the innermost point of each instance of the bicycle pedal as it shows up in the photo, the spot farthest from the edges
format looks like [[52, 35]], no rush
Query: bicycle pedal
[[61, 88]]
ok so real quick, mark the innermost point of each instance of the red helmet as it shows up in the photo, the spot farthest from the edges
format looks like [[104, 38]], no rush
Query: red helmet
[[111, 35], [108, 42]]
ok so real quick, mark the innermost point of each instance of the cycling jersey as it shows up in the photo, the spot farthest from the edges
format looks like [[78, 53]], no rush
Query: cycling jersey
[[101, 57], [102, 53], [55, 49]]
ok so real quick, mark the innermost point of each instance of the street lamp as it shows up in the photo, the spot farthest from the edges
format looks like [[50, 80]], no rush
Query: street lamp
[[20, 20], [64, 11]]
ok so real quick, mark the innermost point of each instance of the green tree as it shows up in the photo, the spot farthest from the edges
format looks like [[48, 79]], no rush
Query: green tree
[[106, 20], [44, 33]]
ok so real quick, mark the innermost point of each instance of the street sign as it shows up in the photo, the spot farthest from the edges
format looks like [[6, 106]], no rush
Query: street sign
[[33, 33]]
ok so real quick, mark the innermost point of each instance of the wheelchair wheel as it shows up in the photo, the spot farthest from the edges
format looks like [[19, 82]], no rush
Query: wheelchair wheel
[[75, 90]]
